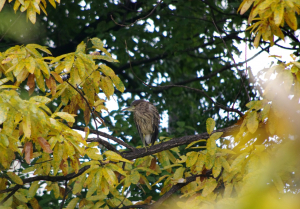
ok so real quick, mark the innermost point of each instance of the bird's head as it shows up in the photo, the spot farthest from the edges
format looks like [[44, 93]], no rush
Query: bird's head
[[133, 105]]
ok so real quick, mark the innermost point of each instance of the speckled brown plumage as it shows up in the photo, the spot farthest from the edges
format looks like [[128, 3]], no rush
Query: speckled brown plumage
[[146, 118]]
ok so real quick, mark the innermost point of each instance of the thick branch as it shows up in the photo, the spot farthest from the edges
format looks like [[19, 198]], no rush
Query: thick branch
[[176, 142]]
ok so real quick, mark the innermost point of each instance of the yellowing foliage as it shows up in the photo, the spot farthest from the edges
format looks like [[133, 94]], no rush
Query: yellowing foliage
[[270, 15]]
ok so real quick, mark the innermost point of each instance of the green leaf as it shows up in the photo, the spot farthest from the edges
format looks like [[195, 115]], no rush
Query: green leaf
[[210, 125], [178, 173]]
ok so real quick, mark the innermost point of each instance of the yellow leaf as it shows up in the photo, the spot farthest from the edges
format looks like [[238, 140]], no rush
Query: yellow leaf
[[78, 184], [120, 170], [210, 125], [64, 115], [209, 187], [178, 173], [217, 167], [278, 13], [107, 70], [225, 164], [69, 60], [134, 177], [27, 125], [160, 179], [32, 190], [16, 5], [115, 157], [200, 163], [110, 176], [31, 13], [57, 77], [252, 122], [195, 142], [272, 121], [118, 83], [81, 47], [44, 67], [246, 6], [209, 161], [30, 65], [228, 190], [81, 68], [2, 2], [237, 162], [3, 112], [290, 18], [94, 154], [211, 146], [15, 178], [52, 2], [257, 39], [20, 196], [191, 158], [74, 201]]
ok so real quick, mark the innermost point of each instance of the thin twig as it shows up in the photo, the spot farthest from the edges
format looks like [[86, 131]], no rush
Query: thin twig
[[65, 195], [137, 19], [14, 190]]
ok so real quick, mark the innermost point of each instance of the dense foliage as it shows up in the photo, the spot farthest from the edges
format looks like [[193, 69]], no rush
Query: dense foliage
[[231, 137]]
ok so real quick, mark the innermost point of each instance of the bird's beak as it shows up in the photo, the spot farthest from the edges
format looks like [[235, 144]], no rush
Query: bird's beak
[[130, 108]]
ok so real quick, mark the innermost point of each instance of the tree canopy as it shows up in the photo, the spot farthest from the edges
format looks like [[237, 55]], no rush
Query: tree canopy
[[231, 136]]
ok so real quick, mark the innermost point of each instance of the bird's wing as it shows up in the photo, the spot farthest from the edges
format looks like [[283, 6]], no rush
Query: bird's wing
[[154, 135], [138, 128]]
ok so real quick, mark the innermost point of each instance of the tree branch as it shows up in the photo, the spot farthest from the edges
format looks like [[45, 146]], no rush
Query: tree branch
[[106, 144], [138, 153]]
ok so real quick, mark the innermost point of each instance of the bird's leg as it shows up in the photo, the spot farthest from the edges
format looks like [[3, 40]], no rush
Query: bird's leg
[[144, 143]]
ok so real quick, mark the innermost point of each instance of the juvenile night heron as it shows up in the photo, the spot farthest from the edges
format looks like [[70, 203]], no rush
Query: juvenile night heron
[[146, 119]]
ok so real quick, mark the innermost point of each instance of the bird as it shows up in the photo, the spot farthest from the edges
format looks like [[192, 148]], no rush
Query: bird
[[146, 118]]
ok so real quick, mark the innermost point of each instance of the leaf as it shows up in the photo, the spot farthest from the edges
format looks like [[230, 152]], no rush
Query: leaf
[[209, 187], [191, 158], [120, 170], [107, 86], [57, 77], [278, 13], [94, 154], [160, 179], [45, 145], [217, 167], [2, 2], [178, 173], [237, 162], [211, 146], [20, 196], [15, 178], [3, 112], [78, 184], [28, 151], [107, 70], [74, 201], [245, 6], [26, 126], [64, 115], [195, 142], [134, 177], [109, 176], [118, 83], [32, 190], [225, 164], [31, 14], [252, 122], [290, 18], [115, 157], [210, 125]]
